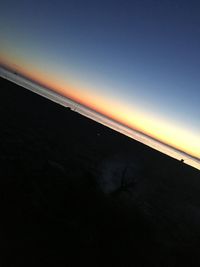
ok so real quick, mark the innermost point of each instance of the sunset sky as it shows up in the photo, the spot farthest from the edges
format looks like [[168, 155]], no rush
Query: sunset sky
[[137, 62]]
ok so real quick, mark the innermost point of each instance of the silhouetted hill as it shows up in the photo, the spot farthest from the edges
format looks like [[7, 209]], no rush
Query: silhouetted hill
[[76, 193]]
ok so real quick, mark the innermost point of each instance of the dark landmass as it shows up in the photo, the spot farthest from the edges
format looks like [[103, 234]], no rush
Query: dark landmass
[[76, 193], [14, 71]]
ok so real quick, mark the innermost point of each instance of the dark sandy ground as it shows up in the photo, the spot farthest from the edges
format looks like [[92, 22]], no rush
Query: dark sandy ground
[[75, 193]]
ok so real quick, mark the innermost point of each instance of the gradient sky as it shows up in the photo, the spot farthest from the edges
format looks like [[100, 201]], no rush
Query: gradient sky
[[135, 61]]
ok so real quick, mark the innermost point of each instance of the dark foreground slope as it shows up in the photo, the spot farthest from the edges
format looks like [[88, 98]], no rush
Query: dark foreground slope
[[76, 193]]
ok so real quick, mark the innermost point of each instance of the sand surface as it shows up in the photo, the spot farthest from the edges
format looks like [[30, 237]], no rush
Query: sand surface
[[71, 186]]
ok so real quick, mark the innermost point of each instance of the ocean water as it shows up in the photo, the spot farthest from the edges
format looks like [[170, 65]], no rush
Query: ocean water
[[66, 102]]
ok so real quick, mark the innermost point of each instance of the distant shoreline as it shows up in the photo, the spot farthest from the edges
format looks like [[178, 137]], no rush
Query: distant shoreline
[[37, 88]]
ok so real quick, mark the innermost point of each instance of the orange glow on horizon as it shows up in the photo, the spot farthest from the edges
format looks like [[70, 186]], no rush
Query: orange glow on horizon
[[156, 128]]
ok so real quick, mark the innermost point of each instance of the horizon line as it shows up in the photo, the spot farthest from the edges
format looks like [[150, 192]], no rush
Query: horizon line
[[13, 75]]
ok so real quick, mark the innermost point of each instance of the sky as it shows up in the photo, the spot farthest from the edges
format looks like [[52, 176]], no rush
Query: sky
[[137, 62]]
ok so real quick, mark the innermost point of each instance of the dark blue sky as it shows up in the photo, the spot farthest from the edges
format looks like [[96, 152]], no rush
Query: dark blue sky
[[142, 56]]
